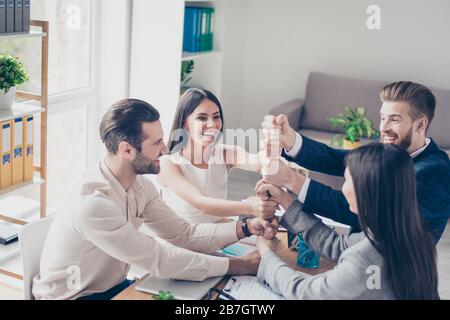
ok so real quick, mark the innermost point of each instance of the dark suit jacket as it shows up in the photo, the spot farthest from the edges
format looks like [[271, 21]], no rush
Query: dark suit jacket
[[433, 185]]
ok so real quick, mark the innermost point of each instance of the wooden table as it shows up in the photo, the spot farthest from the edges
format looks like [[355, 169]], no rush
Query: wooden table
[[289, 256]]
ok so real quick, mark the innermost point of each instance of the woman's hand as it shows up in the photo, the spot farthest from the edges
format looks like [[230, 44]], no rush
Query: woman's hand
[[264, 245], [261, 208], [267, 191], [264, 228]]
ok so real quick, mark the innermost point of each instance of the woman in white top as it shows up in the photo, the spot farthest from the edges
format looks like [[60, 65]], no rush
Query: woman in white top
[[194, 175]]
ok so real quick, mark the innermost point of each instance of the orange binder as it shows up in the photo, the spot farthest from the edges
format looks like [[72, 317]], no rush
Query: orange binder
[[28, 148], [5, 152], [17, 160]]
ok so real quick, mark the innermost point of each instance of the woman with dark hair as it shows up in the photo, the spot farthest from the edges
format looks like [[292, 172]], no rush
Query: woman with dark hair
[[194, 175], [393, 258]]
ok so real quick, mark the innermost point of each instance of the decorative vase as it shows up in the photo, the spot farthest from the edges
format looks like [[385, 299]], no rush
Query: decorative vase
[[349, 145], [7, 99]]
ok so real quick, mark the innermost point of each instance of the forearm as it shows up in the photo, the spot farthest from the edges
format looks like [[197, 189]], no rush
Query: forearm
[[242, 267], [320, 237], [221, 207]]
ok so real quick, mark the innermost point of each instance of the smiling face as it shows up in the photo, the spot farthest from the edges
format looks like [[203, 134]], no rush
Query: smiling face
[[348, 189], [152, 148], [205, 123], [396, 124]]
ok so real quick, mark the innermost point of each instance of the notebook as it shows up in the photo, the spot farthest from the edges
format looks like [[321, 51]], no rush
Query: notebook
[[8, 234], [248, 288], [181, 289]]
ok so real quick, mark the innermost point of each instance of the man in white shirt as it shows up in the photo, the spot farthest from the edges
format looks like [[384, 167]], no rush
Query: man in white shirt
[[94, 239]]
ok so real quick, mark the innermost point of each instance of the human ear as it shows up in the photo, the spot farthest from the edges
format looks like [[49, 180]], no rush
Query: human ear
[[124, 149], [423, 123]]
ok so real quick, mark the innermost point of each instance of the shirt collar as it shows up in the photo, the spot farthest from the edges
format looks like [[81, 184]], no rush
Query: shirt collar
[[135, 187], [417, 152]]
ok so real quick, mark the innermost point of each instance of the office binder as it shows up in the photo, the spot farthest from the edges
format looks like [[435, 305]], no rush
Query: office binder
[[17, 160], [203, 39], [2, 16], [192, 29], [188, 30], [198, 29], [9, 16], [211, 29], [26, 15], [18, 15], [28, 148], [6, 151]]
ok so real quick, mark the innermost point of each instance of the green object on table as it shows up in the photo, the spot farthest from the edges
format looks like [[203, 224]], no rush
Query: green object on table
[[306, 257], [163, 295]]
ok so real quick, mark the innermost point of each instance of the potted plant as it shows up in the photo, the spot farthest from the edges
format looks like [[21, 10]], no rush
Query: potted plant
[[186, 69], [12, 74], [356, 126]]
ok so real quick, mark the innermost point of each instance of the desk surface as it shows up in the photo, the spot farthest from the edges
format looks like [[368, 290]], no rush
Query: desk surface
[[290, 257]]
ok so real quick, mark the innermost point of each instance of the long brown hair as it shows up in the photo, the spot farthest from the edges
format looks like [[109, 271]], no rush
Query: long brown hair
[[189, 101], [385, 186]]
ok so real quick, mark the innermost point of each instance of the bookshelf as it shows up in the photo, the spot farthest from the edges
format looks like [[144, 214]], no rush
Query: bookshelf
[[208, 65], [37, 103], [156, 56]]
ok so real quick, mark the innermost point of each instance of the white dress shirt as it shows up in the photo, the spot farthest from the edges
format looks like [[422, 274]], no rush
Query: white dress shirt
[[94, 239]]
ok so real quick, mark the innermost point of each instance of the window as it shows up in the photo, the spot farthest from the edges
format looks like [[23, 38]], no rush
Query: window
[[69, 47], [72, 102]]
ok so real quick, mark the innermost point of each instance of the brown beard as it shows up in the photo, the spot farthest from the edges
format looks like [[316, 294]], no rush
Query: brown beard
[[142, 165], [405, 142]]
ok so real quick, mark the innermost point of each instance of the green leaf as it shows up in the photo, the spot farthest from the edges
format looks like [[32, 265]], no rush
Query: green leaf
[[163, 296]]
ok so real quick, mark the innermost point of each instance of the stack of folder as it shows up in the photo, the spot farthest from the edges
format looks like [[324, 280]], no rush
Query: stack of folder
[[14, 16], [16, 150], [198, 29]]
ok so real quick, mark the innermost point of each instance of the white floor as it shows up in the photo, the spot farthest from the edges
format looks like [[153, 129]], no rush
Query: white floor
[[241, 185]]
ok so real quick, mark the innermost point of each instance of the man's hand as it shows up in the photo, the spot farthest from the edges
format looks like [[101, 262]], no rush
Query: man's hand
[[286, 133], [268, 191], [264, 245], [264, 228], [280, 175], [247, 264], [258, 207]]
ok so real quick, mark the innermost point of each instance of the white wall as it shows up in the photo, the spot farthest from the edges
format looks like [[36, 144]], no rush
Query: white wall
[[112, 65], [156, 46], [281, 41]]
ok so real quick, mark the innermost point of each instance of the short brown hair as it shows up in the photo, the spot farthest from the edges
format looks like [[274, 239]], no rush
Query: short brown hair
[[419, 97], [123, 122]]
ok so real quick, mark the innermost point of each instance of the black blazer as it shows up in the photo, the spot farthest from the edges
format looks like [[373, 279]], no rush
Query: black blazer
[[433, 185]]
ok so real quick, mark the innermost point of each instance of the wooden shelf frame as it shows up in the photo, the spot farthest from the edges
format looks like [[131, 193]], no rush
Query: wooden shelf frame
[[42, 98]]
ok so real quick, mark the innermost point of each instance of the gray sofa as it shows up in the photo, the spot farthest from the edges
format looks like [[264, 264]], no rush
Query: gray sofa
[[326, 96]]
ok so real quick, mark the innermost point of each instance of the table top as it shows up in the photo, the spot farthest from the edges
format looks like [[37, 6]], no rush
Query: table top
[[289, 256]]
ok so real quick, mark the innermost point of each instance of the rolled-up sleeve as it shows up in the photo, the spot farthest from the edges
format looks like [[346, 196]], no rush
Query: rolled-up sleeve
[[101, 222], [205, 237]]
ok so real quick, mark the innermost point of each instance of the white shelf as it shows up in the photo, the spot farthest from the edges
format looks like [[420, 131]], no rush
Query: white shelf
[[9, 251], [6, 192], [199, 55], [31, 34], [13, 263], [20, 110], [195, 1]]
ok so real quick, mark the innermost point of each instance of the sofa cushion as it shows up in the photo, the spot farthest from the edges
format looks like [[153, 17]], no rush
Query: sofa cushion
[[327, 95]]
